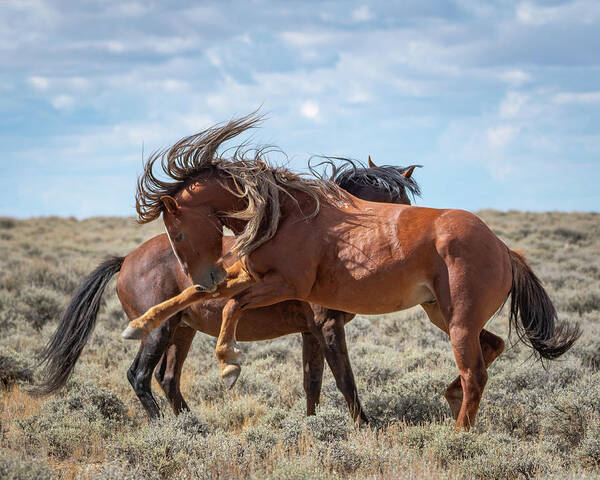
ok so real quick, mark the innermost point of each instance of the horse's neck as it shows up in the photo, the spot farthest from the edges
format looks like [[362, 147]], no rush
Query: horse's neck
[[296, 204]]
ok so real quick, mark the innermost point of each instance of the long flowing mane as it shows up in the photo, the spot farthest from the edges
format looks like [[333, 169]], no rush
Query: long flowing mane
[[351, 174], [253, 178]]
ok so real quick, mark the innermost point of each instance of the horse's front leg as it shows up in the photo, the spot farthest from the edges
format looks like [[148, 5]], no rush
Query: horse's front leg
[[329, 330], [237, 279], [271, 289], [313, 360]]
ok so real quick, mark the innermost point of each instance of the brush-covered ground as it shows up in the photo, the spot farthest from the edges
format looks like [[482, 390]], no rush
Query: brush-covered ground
[[533, 423]]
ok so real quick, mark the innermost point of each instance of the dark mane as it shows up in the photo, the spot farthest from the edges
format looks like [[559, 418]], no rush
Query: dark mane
[[254, 179], [353, 173]]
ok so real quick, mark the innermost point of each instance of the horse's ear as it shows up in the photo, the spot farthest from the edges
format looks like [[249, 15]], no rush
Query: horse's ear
[[371, 164], [409, 171], [170, 204]]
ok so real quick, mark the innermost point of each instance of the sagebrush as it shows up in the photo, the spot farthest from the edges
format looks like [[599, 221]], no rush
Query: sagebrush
[[533, 423]]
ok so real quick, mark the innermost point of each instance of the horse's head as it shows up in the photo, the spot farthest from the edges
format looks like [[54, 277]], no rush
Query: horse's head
[[385, 184], [196, 234]]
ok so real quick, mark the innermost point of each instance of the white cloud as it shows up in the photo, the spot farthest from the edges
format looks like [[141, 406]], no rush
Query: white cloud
[[500, 136], [156, 66], [196, 123], [310, 109], [304, 39], [78, 83], [131, 9], [572, 97], [113, 46], [61, 102], [360, 96], [512, 105], [173, 85], [41, 83], [515, 77], [213, 57], [362, 14], [578, 11], [530, 14]]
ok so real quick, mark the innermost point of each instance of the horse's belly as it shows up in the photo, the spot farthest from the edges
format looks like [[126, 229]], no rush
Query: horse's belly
[[257, 324], [371, 296]]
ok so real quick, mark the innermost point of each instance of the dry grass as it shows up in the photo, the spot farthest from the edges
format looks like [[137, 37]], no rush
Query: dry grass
[[533, 423]]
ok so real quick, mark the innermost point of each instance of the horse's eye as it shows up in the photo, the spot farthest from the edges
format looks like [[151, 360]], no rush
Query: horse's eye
[[179, 237]]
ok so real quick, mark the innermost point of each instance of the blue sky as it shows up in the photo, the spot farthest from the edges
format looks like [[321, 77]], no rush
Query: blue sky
[[500, 101]]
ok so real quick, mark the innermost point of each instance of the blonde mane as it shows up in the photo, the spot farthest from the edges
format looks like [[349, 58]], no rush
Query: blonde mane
[[252, 176]]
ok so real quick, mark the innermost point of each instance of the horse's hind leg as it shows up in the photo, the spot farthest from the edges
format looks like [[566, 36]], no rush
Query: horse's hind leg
[[464, 338], [330, 332], [491, 346], [140, 382], [168, 373], [140, 372], [453, 394], [312, 368]]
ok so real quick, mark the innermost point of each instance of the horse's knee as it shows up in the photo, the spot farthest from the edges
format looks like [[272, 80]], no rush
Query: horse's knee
[[131, 376], [169, 385], [138, 381]]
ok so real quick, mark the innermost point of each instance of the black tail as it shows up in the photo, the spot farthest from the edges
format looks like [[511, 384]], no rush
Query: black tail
[[531, 303], [74, 328]]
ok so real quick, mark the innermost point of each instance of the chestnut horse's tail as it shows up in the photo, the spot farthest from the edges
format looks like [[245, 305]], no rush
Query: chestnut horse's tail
[[531, 303], [74, 328]]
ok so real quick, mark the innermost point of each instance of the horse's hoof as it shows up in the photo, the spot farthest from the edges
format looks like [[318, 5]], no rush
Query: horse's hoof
[[131, 333], [229, 375]]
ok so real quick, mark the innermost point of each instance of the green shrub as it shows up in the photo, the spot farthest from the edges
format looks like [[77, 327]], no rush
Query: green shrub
[[342, 457], [261, 438], [12, 468], [329, 424], [95, 403], [532, 422], [53, 277], [505, 463], [14, 368], [157, 450], [583, 302], [298, 469], [415, 398], [569, 235], [113, 471], [589, 352], [588, 451], [41, 305], [68, 423], [7, 223]]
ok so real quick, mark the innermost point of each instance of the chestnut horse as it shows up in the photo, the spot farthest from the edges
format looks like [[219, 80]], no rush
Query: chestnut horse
[[308, 240], [151, 274]]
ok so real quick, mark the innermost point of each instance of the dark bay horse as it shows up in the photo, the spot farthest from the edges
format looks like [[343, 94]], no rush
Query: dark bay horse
[[151, 274], [308, 240]]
